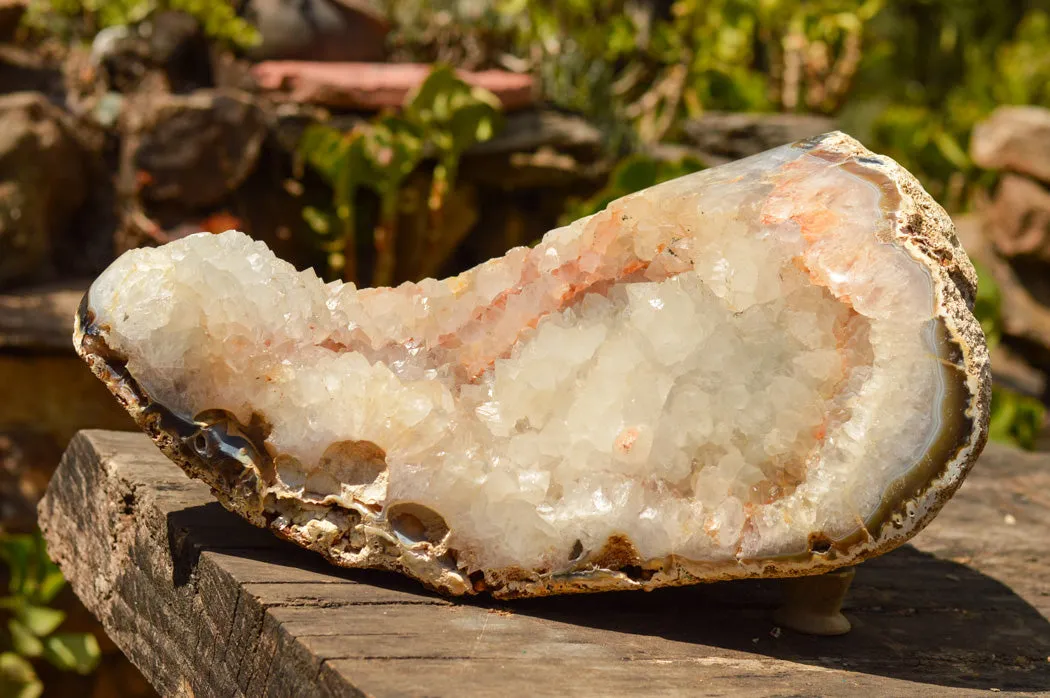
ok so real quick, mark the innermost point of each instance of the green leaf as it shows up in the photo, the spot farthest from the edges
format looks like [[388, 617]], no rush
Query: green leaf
[[52, 583], [23, 640], [17, 550], [77, 652], [12, 603], [34, 577], [17, 677], [951, 149], [324, 149], [622, 37], [1015, 419], [634, 173], [40, 620], [452, 114], [319, 221], [49, 579], [393, 148]]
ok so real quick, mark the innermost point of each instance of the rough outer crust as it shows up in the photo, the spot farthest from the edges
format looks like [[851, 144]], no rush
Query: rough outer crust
[[365, 537]]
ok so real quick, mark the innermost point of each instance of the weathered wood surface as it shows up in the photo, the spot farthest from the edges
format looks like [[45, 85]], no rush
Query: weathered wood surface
[[206, 605]]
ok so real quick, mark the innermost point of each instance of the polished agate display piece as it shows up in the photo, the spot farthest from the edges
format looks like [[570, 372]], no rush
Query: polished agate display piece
[[768, 368]]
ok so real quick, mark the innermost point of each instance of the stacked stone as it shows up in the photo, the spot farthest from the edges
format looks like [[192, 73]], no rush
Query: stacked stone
[[1012, 240], [1016, 140]]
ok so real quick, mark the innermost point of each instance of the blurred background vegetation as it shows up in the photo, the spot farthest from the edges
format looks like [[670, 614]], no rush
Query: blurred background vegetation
[[909, 78], [31, 627]]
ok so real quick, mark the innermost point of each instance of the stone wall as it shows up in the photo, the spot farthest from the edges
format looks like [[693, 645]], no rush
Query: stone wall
[[1009, 236]]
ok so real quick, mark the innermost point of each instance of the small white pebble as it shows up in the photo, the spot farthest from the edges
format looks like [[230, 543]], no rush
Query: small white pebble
[[1009, 520]]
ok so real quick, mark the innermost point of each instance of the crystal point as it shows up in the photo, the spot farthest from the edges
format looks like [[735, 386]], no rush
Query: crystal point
[[767, 368]]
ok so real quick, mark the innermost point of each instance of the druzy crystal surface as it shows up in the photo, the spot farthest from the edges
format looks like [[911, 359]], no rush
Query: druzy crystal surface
[[766, 368]]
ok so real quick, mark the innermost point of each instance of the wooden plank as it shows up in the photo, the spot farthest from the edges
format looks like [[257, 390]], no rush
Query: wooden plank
[[206, 605]]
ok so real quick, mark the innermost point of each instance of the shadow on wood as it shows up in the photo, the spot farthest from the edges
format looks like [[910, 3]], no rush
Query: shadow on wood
[[915, 617], [207, 605], [211, 527]]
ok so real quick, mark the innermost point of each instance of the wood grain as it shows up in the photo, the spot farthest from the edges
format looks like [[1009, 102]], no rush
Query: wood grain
[[206, 605]]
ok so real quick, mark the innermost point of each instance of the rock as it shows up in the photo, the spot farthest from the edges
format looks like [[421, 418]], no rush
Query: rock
[[530, 130], [168, 52], [1013, 372], [548, 167], [1026, 321], [176, 40], [264, 205], [676, 152], [37, 319], [213, 160], [11, 12], [538, 148], [179, 48], [1018, 219], [318, 30], [769, 368], [724, 136], [42, 183], [192, 149], [1015, 139], [25, 71], [376, 86]]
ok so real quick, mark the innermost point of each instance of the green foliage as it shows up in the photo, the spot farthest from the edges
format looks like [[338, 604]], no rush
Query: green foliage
[[936, 68], [31, 624], [84, 18], [442, 118], [378, 155], [638, 68], [631, 174], [18, 679], [640, 72], [909, 77], [1016, 419], [454, 116]]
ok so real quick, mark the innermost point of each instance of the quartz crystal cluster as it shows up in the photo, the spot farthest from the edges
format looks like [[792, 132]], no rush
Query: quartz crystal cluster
[[768, 368]]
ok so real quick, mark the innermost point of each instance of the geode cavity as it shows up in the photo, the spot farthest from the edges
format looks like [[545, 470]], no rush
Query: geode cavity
[[768, 368]]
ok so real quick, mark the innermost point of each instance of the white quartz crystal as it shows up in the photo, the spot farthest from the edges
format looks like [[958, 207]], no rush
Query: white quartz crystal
[[717, 369]]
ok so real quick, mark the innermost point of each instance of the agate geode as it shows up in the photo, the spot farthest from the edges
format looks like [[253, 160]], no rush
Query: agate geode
[[769, 368]]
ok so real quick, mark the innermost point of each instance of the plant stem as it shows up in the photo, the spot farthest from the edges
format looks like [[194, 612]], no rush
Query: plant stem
[[386, 238], [349, 239]]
